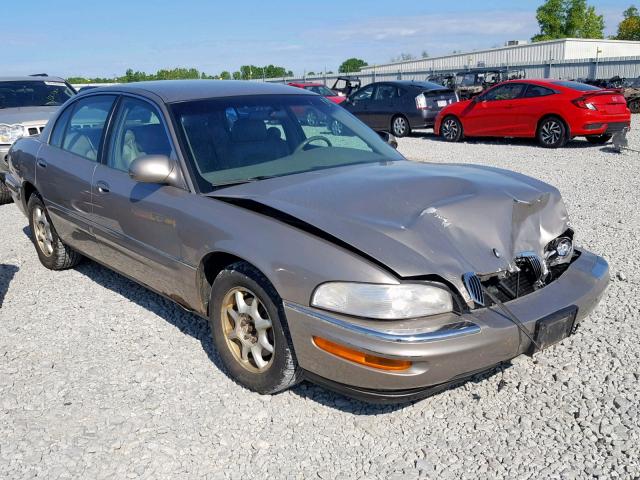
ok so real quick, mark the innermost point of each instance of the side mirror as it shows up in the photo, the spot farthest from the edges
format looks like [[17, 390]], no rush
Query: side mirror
[[390, 139], [154, 169]]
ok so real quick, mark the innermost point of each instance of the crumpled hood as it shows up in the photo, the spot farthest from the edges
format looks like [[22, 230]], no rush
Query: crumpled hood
[[420, 219], [27, 115]]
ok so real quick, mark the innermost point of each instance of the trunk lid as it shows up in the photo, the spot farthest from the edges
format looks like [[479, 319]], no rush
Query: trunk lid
[[435, 100], [609, 102]]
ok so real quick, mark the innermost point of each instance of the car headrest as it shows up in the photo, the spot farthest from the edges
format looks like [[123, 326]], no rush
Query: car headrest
[[274, 133], [249, 130]]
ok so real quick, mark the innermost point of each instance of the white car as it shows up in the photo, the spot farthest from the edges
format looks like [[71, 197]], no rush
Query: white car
[[26, 104]]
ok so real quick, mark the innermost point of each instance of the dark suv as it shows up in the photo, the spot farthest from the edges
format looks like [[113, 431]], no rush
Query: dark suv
[[399, 106]]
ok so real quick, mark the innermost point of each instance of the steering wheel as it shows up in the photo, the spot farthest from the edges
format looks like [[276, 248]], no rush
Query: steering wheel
[[313, 139]]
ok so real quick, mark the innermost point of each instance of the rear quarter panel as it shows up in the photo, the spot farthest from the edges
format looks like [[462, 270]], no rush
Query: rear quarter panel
[[22, 163]]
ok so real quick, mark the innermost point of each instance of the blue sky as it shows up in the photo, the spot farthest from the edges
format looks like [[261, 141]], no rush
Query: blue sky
[[107, 37]]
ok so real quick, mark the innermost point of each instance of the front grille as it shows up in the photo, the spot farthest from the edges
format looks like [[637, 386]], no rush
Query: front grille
[[35, 130], [474, 287]]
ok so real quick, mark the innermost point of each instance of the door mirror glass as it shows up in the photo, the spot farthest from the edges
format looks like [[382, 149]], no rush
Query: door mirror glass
[[158, 169], [390, 139]]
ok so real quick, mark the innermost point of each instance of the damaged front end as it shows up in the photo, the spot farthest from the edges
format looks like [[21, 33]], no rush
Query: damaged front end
[[527, 273]]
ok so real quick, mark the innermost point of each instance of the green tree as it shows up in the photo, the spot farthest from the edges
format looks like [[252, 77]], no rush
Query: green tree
[[224, 75], [568, 19], [629, 27], [237, 76], [352, 65]]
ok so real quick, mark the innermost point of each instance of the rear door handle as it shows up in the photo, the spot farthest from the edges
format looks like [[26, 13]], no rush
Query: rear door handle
[[41, 163], [103, 187]]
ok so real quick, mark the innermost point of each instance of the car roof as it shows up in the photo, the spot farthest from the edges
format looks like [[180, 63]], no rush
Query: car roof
[[413, 83], [29, 78], [172, 91], [306, 84]]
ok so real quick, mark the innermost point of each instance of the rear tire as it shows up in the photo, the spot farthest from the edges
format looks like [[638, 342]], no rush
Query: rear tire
[[634, 105], [52, 252], [5, 195], [257, 355], [552, 133], [400, 126], [336, 128], [451, 129], [599, 139]]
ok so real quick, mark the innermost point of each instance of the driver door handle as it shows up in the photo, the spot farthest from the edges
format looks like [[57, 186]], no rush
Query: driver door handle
[[41, 163], [103, 187]]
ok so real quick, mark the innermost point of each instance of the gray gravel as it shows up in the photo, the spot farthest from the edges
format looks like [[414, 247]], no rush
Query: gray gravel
[[100, 378]]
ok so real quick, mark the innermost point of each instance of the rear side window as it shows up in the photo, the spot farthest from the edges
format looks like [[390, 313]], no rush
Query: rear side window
[[60, 127], [386, 92], [537, 91], [86, 126]]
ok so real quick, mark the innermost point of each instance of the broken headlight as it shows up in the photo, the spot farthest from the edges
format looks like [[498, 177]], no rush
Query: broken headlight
[[559, 250], [384, 302], [11, 133]]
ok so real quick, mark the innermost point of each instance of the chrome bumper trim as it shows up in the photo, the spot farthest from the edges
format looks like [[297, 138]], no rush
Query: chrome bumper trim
[[447, 332]]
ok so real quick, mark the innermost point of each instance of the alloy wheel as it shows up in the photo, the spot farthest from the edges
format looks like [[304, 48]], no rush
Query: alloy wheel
[[247, 329], [450, 129], [312, 118], [336, 128], [399, 126], [551, 132], [42, 233]]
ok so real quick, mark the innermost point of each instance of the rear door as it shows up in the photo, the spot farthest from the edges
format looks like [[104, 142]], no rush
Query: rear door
[[137, 223], [65, 168], [383, 106], [494, 113]]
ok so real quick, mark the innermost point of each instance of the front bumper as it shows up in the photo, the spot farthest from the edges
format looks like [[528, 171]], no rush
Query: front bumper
[[442, 350]]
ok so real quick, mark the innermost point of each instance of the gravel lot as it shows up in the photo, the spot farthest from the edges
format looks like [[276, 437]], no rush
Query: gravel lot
[[100, 378]]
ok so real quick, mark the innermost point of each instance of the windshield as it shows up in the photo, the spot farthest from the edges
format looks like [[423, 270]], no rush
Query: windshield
[[582, 87], [240, 139], [33, 94], [320, 90]]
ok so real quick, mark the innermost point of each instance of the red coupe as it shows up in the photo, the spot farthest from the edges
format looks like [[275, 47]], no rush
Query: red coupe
[[553, 111]]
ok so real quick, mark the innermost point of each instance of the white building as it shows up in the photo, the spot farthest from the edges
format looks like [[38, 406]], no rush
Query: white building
[[522, 54]]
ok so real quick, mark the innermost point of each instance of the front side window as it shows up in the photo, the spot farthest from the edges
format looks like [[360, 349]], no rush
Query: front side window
[[34, 93], [86, 126], [235, 140], [508, 91], [137, 131], [364, 94]]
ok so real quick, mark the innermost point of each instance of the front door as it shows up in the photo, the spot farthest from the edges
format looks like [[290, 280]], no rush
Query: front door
[[137, 223], [494, 113], [360, 104], [65, 168]]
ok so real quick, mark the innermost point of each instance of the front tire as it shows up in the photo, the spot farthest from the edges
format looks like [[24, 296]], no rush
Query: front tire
[[400, 126], [599, 139], [552, 133], [52, 252], [451, 129], [250, 331], [5, 194]]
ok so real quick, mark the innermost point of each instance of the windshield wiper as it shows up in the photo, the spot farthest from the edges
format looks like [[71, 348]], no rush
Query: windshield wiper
[[243, 181]]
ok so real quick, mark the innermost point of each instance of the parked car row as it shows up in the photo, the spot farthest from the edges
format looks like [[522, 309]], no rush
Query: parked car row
[[314, 256], [552, 111]]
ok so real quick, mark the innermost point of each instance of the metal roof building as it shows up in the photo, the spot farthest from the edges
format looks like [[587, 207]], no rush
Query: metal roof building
[[519, 54], [567, 58]]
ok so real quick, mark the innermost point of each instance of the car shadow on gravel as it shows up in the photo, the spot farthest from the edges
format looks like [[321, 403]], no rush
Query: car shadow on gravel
[[577, 143], [198, 328], [7, 272]]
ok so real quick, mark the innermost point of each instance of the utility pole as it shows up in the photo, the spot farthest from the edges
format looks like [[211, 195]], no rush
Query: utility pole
[[598, 52]]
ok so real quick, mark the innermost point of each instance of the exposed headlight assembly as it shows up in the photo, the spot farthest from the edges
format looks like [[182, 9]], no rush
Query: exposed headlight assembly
[[559, 250], [383, 302], [11, 133]]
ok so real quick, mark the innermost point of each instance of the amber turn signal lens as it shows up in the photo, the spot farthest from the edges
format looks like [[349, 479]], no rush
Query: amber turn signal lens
[[362, 358]]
